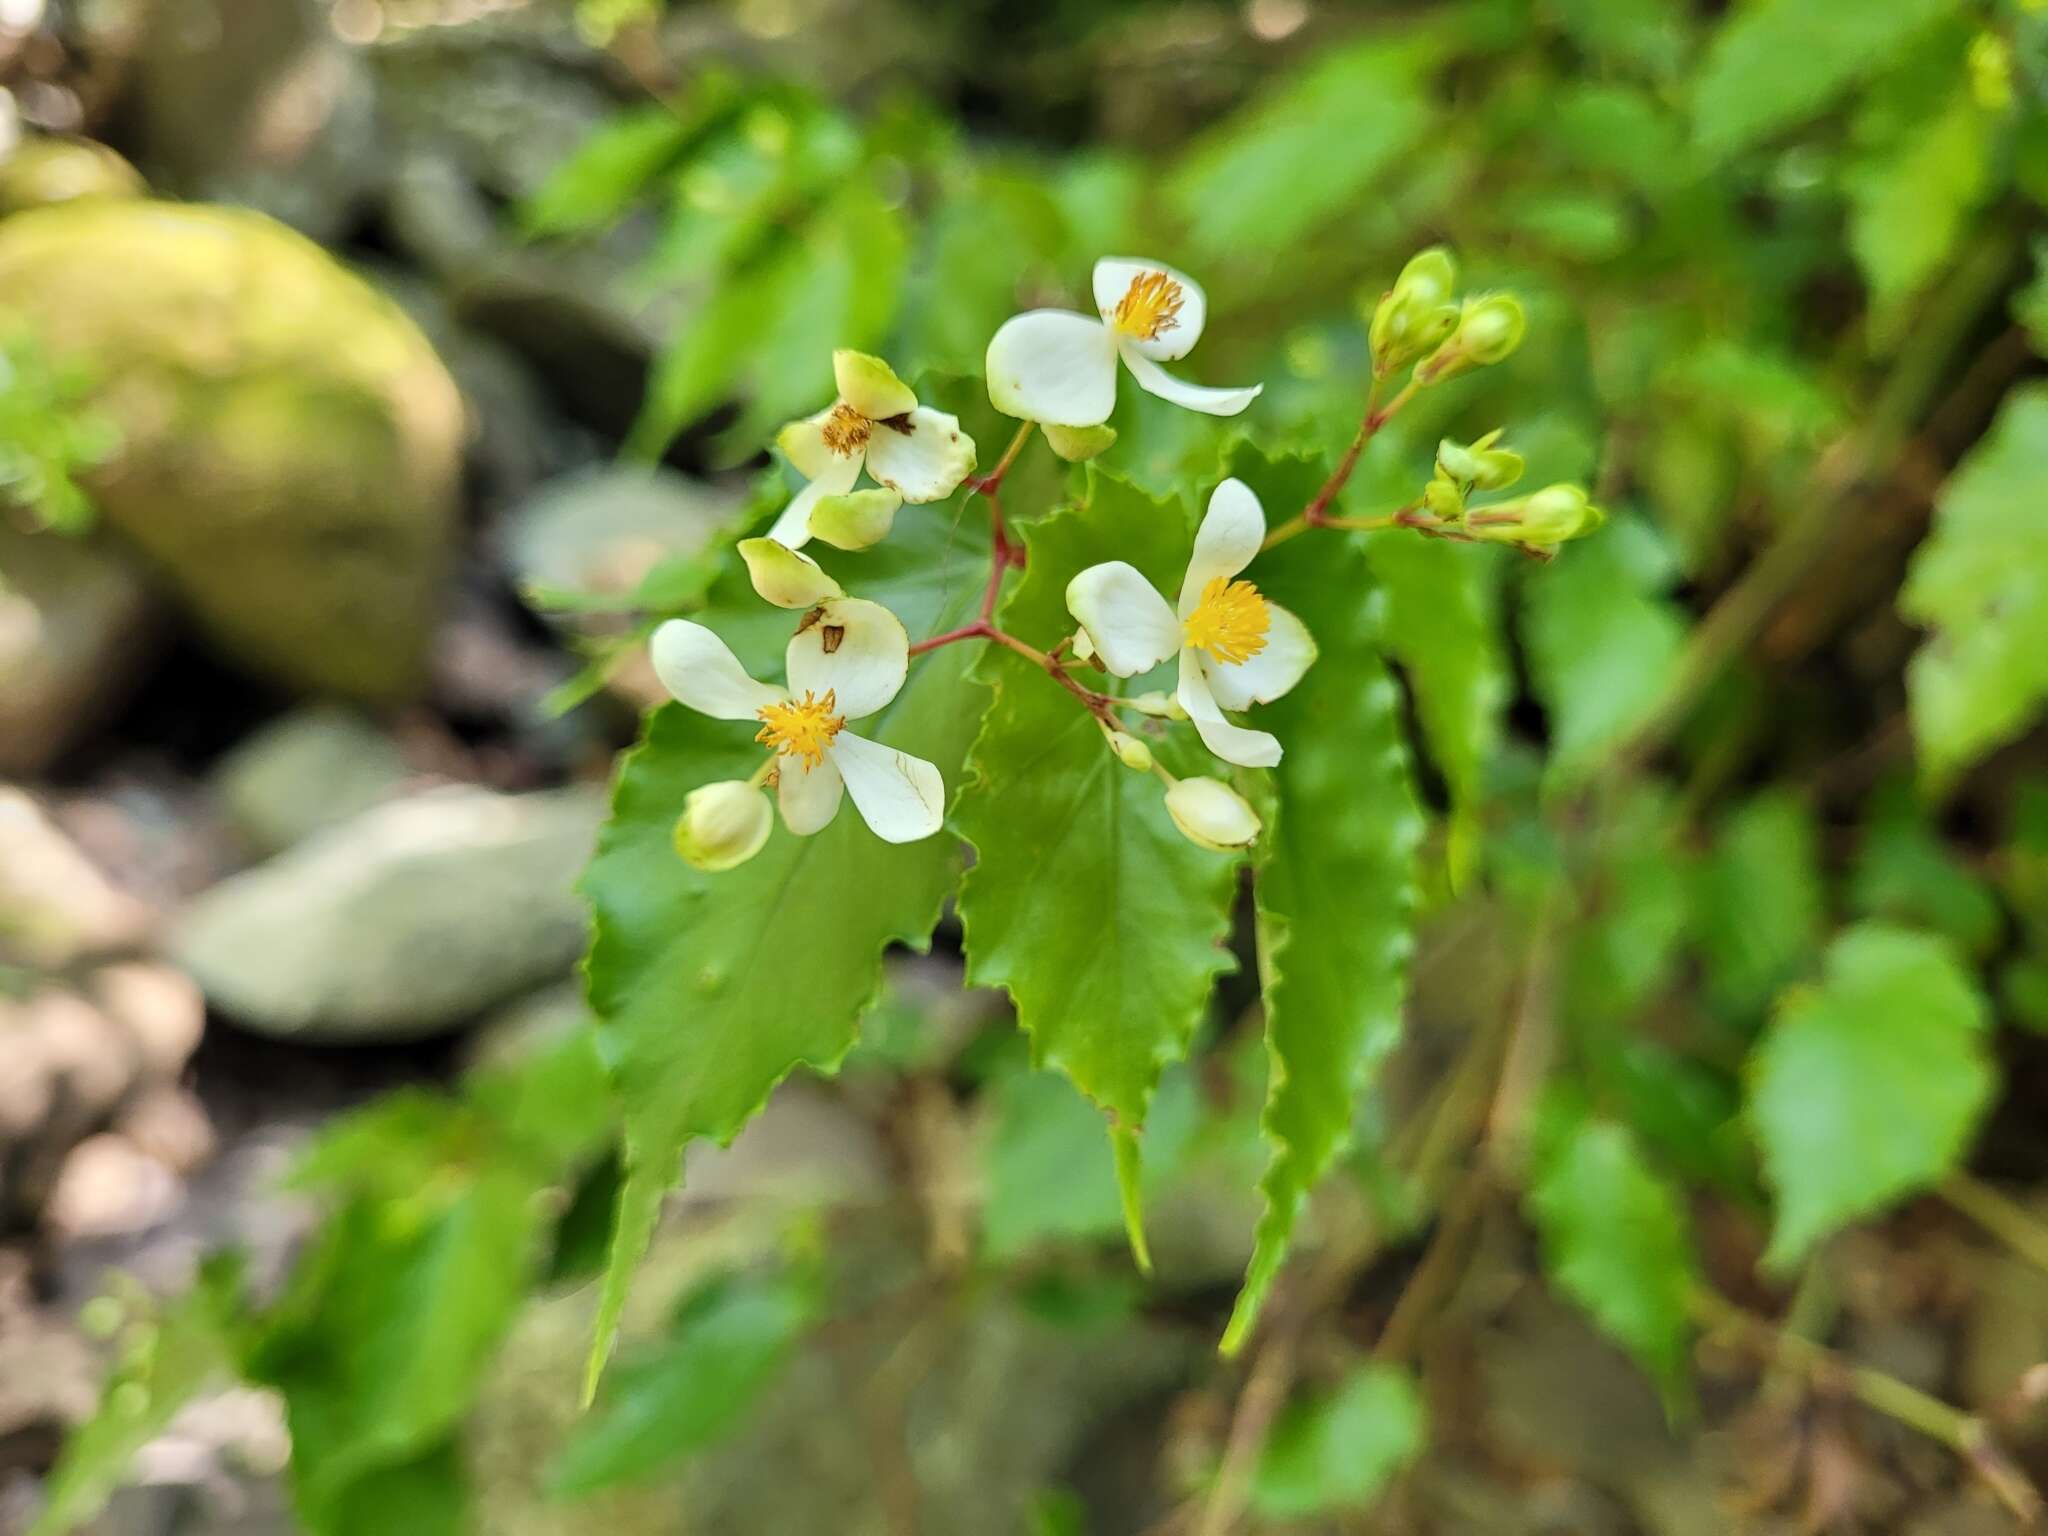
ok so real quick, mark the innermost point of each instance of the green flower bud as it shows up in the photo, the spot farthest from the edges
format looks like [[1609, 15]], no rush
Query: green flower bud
[[1442, 500], [1075, 444], [1158, 704], [723, 825], [1417, 313], [1481, 466], [1489, 329], [1210, 813], [1543, 521], [1129, 750]]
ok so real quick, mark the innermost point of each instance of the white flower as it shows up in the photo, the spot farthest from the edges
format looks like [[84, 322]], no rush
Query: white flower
[[915, 453], [1212, 814], [1236, 648], [1058, 367], [847, 660]]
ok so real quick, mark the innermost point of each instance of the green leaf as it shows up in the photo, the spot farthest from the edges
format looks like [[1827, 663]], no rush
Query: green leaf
[[1906, 873], [1761, 903], [1775, 63], [1264, 179], [1103, 923], [1442, 625], [166, 1360], [694, 1386], [1602, 642], [700, 1010], [1336, 885], [1339, 1451], [607, 172], [1868, 1087], [1615, 1240], [1980, 581], [382, 1339], [1909, 206], [1050, 1174]]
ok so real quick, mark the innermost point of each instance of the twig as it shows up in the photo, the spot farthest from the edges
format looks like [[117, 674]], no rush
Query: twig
[[1316, 513], [2000, 1215], [1964, 1433]]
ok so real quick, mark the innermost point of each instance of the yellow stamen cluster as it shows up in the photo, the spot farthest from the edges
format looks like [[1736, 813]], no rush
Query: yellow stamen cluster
[[1150, 306], [801, 728], [1231, 622], [846, 430]]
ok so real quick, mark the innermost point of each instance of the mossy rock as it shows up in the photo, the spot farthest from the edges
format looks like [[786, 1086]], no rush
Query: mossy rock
[[45, 171], [291, 445]]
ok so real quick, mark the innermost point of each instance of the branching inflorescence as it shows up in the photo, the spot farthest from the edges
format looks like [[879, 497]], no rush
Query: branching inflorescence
[[1056, 372]]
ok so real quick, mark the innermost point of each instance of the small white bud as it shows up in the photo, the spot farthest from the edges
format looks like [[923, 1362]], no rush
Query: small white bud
[[723, 825], [1212, 814]]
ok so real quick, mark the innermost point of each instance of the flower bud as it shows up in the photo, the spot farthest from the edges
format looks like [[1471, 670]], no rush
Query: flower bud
[[785, 577], [1417, 313], [1158, 704], [1481, 466], [723, 825], [1489, 329], [1442, 499], [1548, 518], [1074, 444], [1129, 750], [1212, 814]]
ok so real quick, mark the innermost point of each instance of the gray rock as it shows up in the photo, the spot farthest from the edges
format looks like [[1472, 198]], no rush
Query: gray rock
[[257, 102], [311, 770], [77, 622], [55, 904], [401, 923], [290, 443], [602, 530]]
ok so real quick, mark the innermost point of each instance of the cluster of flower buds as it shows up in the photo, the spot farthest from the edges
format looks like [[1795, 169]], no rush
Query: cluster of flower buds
[[1538, 522], [1421, 320]]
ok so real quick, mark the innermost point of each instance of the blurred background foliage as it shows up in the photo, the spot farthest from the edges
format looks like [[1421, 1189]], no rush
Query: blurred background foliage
[[1705, 1189]]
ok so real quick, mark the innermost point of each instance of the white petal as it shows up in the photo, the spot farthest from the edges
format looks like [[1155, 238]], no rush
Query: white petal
[[902, 798], [855, 520], [870, 385], [854, 648], [700, 670], [1211, 813], [784, 577], [793, 528], [1127, 622], [924, 455], [1232, 530], [1196, 397], [803, 443], [1113, 278], [1232, 743], [809, 797], [1289, 650], [1053, 365]]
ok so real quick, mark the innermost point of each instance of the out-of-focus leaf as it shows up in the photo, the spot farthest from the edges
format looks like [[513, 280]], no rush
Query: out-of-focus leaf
[[1049, 1169], [1980, 582], [1775, 63], [1336, 884], [1650, 34], [1104, 924], [684, 1392], [391, 1318], [1761, 903], [1602, 642], [1867, 1087], [1339, 1450], [1909, 207], [607, 173], [1272, 174], [166, 1360], [1615, 1240], [1906, 874]]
